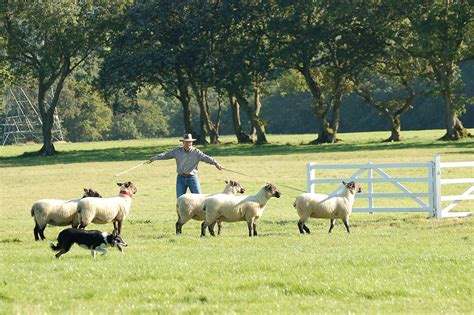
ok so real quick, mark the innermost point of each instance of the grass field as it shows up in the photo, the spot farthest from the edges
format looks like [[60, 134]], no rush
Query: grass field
[[390, 263]]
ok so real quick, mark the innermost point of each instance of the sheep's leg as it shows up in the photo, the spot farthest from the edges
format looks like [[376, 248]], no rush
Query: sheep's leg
[[346, 225], [300, 227], [219, 227], [41, 233], [306, 229], [211, 229], [36, 232], [331, 221], [203, 228], [119, 227], [254, 229], [251, 226], [178, 227], [115, 227]]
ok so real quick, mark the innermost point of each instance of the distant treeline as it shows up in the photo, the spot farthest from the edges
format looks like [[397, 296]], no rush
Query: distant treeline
[[136, 69]]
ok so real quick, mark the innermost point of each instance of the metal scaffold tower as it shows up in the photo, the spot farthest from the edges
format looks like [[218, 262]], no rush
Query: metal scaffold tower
[[23, 121]]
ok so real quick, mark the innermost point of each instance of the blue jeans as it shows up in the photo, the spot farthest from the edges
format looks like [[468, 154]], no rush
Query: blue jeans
[[183, 182]]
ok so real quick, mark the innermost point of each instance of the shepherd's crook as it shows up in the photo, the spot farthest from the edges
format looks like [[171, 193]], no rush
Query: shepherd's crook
[[131, 169]]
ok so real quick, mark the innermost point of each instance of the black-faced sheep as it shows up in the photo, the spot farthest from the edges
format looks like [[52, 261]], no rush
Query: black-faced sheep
[[191, 206], [105, 210], [56, 212], [326, 207], [228, 208]]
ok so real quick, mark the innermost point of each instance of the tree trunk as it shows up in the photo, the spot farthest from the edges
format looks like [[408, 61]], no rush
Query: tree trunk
[[254, 120], [395, 127], [48, 148], [202, 137], [258, 107], [336, 112], [239, 133], [185, 101], [47, 114], [326, 134], [207, 126], [454, 127]]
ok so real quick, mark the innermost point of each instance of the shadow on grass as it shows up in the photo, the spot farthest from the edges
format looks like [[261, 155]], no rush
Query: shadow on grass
[[144, 152]]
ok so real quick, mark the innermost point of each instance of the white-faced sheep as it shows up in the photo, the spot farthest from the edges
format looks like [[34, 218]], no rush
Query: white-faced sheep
[[191, 206], [56, 212], [105, 210], [228, 208], [326, 207]]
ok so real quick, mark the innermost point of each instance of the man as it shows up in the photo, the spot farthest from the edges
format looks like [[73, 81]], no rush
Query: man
[[187, 159]]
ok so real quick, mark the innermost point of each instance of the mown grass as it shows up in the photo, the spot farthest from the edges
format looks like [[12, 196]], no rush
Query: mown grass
[[390, 263]]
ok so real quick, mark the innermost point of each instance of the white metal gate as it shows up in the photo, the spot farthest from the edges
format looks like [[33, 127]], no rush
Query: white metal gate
[[428, 200], [455, 199]]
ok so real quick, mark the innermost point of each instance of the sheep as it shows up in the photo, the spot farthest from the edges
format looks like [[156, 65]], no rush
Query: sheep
[[229, 208], [190, 206], [56, 212], [105, 210], [326, 207]]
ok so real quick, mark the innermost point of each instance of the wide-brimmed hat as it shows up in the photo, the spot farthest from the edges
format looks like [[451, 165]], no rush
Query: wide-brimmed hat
[[187, 137]]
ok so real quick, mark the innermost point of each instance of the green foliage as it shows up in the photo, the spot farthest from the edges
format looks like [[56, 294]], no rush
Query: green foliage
[[236, 46], [123, 127], [42, 35], [442, 33], [150, 120], [85, 115]]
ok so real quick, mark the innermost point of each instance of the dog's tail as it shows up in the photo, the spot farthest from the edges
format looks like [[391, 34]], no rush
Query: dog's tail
[[53, 247]]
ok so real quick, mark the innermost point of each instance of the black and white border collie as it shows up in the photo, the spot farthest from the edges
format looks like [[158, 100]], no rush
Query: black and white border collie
[[95, 241]]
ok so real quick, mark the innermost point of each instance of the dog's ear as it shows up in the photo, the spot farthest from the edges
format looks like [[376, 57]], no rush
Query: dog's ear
[[226, 182], [119, 184], [85, 190]]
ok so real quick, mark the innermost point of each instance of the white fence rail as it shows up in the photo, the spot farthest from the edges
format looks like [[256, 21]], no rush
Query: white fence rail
[[456, 199], [379, 173]]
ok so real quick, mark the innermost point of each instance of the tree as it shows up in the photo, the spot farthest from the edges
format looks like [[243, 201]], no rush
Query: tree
[[244, 62], [326, 42], [85, 115], [442, 32], [148, 51], [391, 85], [48, 40]]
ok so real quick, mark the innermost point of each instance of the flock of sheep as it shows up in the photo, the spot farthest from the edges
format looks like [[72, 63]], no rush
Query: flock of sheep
[[227, 206]]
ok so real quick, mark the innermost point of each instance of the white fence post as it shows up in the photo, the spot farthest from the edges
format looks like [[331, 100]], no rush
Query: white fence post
[[371, 187], [310, 176], [437, 209]]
